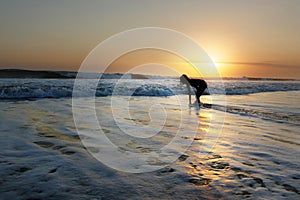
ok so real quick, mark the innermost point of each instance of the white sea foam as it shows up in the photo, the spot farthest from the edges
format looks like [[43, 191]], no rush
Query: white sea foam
[[60, 88]]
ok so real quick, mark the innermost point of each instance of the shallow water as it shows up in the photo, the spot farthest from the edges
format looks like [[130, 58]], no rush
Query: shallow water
[[256, 154]]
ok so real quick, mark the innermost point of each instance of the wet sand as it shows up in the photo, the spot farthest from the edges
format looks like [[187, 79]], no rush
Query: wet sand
[[42, 157]]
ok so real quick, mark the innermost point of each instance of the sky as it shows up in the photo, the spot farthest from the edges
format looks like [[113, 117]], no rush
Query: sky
[[257, 38]]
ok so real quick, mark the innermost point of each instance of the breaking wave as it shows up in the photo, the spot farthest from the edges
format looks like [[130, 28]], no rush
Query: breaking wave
[[60, 88]]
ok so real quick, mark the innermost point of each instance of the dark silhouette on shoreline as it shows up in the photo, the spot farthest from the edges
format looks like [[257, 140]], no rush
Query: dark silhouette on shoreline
[[199, 84]]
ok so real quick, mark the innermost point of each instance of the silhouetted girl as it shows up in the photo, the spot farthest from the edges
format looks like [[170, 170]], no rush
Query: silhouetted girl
[[199, 84]]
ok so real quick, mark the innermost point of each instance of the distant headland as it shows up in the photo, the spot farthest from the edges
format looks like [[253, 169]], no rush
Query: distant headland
[[41, 74]]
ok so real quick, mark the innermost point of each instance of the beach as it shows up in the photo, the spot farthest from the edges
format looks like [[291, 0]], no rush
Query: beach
[[254, 156], [168, 100]]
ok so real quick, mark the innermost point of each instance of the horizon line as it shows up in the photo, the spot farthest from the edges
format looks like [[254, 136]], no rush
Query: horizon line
[[222, 77]]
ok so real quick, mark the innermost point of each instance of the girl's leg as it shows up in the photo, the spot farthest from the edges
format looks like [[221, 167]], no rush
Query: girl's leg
[[198, 94]]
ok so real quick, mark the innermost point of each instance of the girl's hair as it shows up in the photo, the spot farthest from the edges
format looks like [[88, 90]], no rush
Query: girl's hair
[[184, 79]]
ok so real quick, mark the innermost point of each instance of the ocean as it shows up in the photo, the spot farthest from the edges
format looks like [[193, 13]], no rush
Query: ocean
[[243, 142]]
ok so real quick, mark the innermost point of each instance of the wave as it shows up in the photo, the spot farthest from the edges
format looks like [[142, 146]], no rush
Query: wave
[[60, 88]]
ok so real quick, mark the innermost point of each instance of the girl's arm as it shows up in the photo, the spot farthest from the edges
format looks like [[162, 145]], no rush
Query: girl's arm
[[190, 92]]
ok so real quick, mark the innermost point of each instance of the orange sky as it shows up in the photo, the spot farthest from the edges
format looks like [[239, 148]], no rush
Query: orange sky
[[153, 61], [245, 38]]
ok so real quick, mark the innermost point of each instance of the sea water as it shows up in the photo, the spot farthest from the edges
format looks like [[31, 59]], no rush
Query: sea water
[[254, 155]]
